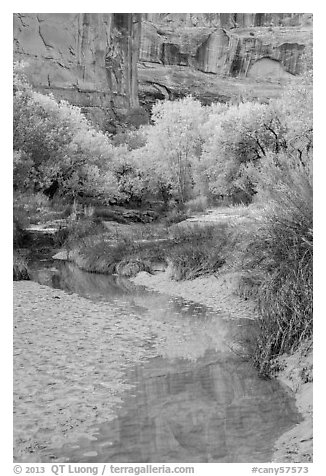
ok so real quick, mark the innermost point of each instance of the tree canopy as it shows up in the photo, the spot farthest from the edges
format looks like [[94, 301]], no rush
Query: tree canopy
[[188, 149]]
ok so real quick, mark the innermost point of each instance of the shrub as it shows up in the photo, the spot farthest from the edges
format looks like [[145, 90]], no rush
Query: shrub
[[198, 250], [29, 208], [188, 261], [278, 257], [285, 314], [20, 236], [198, 204], [130, 267], [98, 256], [77, 230], [20, 268], [124, 257], [175, 216], [198, 233]]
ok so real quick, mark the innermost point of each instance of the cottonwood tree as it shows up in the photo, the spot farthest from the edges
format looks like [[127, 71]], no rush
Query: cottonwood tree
[[173, 144], [53, 141], [239, 135], [290, 121], [294, 111]]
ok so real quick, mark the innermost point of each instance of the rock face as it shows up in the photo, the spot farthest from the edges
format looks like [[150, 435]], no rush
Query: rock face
[[88, 59], [227, 20], [239, 54], [110, 64]]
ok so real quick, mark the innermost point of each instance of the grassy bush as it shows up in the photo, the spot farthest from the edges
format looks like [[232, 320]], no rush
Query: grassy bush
[[200, 233], [99, 257], [278, 257], [109, 214], [127, 249], [77, 230], [124, 257], [198, 250], [198, 204], [188, 261], [175, 216], [123, 249], [130, 267], [31, 202], [19, 235], [20, 268], [30, 208]]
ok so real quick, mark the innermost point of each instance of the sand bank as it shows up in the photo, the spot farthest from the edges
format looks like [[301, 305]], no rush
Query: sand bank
[[69, 359]]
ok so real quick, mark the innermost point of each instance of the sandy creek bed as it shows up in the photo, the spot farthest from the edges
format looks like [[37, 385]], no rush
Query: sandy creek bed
[[106, 370]]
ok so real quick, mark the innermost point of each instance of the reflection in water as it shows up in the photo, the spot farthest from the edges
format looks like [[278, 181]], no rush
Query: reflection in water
[[66, 276], [195, 402], [216, 411]]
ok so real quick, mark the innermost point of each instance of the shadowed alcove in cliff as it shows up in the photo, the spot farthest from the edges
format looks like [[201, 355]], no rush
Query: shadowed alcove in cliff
[[268, 68]]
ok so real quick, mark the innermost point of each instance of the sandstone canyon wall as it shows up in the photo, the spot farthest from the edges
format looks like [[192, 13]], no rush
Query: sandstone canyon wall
[[220, 56], [88, 59], [110, 64]]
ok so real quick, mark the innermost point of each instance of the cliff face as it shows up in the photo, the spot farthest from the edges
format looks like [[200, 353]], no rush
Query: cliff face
[[87, 58], [111, 63], [239, 54], [227, 20]]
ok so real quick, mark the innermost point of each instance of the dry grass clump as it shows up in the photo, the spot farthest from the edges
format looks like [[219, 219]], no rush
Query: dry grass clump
[[175, 215], [20, 238], [30, 208], [189, 250], [124, 257], [19, 234], [130, 267], [77, 229], [98, 257], [198, 250], [20, 268], [198, 204], [278, 257], [190, 260]]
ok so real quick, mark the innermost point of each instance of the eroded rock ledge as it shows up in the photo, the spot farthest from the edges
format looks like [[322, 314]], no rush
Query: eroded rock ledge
[[116, 65], [234, 51]]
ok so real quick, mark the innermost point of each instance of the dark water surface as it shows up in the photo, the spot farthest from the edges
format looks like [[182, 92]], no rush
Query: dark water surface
[[197, 400]]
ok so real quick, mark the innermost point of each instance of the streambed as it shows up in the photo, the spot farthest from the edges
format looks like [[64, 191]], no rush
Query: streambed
[[176, 385]]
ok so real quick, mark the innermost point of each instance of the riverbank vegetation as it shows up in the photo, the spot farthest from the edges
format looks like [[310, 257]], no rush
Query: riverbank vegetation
[[20, 268], [189, 158], [278, 260]]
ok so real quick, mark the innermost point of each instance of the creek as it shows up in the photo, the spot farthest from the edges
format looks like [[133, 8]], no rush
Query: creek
[[195, 399]]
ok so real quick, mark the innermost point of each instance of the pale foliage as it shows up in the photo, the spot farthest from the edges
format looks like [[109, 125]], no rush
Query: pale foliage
[[236, 136], [294, 111], [173, 144], [188, 151], [54, 141], [240, 137]]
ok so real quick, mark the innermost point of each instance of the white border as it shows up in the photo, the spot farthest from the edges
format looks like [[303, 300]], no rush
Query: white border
[[319, 182]]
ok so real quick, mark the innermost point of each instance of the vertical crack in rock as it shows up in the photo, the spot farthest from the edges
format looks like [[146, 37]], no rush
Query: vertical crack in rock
[[95, 60]]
